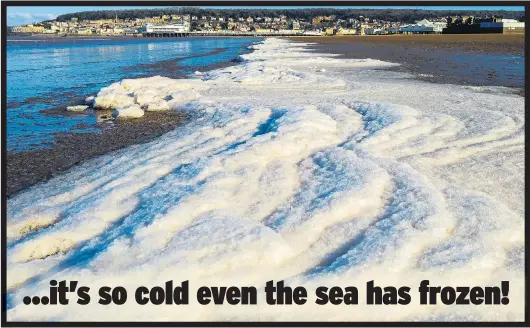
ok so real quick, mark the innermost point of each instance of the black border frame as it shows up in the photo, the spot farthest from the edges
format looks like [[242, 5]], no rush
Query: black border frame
[[20, 3]]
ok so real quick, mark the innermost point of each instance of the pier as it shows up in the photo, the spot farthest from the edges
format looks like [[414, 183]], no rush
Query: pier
[[166, 35], [220, 33]]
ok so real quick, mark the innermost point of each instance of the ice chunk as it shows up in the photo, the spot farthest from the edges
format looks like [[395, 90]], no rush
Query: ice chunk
[[157, 105], [113, 96], [132, 111], [179, 98], [77, 108], [89, 100], [241, 58]]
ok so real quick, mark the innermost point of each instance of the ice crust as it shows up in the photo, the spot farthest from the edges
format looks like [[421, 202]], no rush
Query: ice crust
[[78, 108], [297, 166], [131, 98]]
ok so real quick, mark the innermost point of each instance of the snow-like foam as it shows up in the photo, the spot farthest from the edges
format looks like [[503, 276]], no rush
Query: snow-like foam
[[131, 98], [297, 166]]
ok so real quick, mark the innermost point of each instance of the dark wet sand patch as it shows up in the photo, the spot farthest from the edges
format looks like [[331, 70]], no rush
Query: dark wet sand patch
[[476, 60], [511, 44], [30, 167]]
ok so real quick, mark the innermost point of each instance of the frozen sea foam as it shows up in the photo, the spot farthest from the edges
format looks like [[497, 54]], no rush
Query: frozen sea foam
[[295, 166], [132, 111], [77, 108]]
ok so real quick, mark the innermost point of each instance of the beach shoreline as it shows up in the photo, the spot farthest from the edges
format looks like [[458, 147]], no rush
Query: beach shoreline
[[25, 169], [46, 163]]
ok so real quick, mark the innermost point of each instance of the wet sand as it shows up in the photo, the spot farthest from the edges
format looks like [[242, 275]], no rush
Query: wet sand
[[512, 44], [30, 167], [472, 59]]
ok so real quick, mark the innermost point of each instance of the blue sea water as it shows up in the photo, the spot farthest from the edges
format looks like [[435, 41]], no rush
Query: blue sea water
[[46, 74]]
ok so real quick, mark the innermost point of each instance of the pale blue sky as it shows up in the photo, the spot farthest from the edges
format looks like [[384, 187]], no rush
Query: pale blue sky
[[17, 15]]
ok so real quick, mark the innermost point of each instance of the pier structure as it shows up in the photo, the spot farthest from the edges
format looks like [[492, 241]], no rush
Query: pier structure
[[166, 34], [220, 33]]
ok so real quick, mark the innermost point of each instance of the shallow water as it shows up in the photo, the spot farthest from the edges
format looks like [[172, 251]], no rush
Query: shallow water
[[47, 73]]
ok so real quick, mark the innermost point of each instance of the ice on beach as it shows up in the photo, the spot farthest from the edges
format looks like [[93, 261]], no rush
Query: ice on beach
[[153, 94], [112, 97], [89, 100], [329, 178], [77, 108], [132, 111]]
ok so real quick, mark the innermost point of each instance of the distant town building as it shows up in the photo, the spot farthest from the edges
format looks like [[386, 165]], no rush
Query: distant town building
[[503, 26], [129, 31], [424, 27], [294, 25], [346, 31], [172, 28], [27, 29], [312, 32], [280, 24], [330, 31], [320, 19], [83, 31]]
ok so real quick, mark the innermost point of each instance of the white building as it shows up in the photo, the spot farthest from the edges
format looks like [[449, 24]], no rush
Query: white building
[[129, 31], [424, 26], [313, 32], [172, 28]]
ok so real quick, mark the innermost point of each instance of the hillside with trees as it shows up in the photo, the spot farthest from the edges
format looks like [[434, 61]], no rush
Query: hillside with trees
[[396, 15]]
